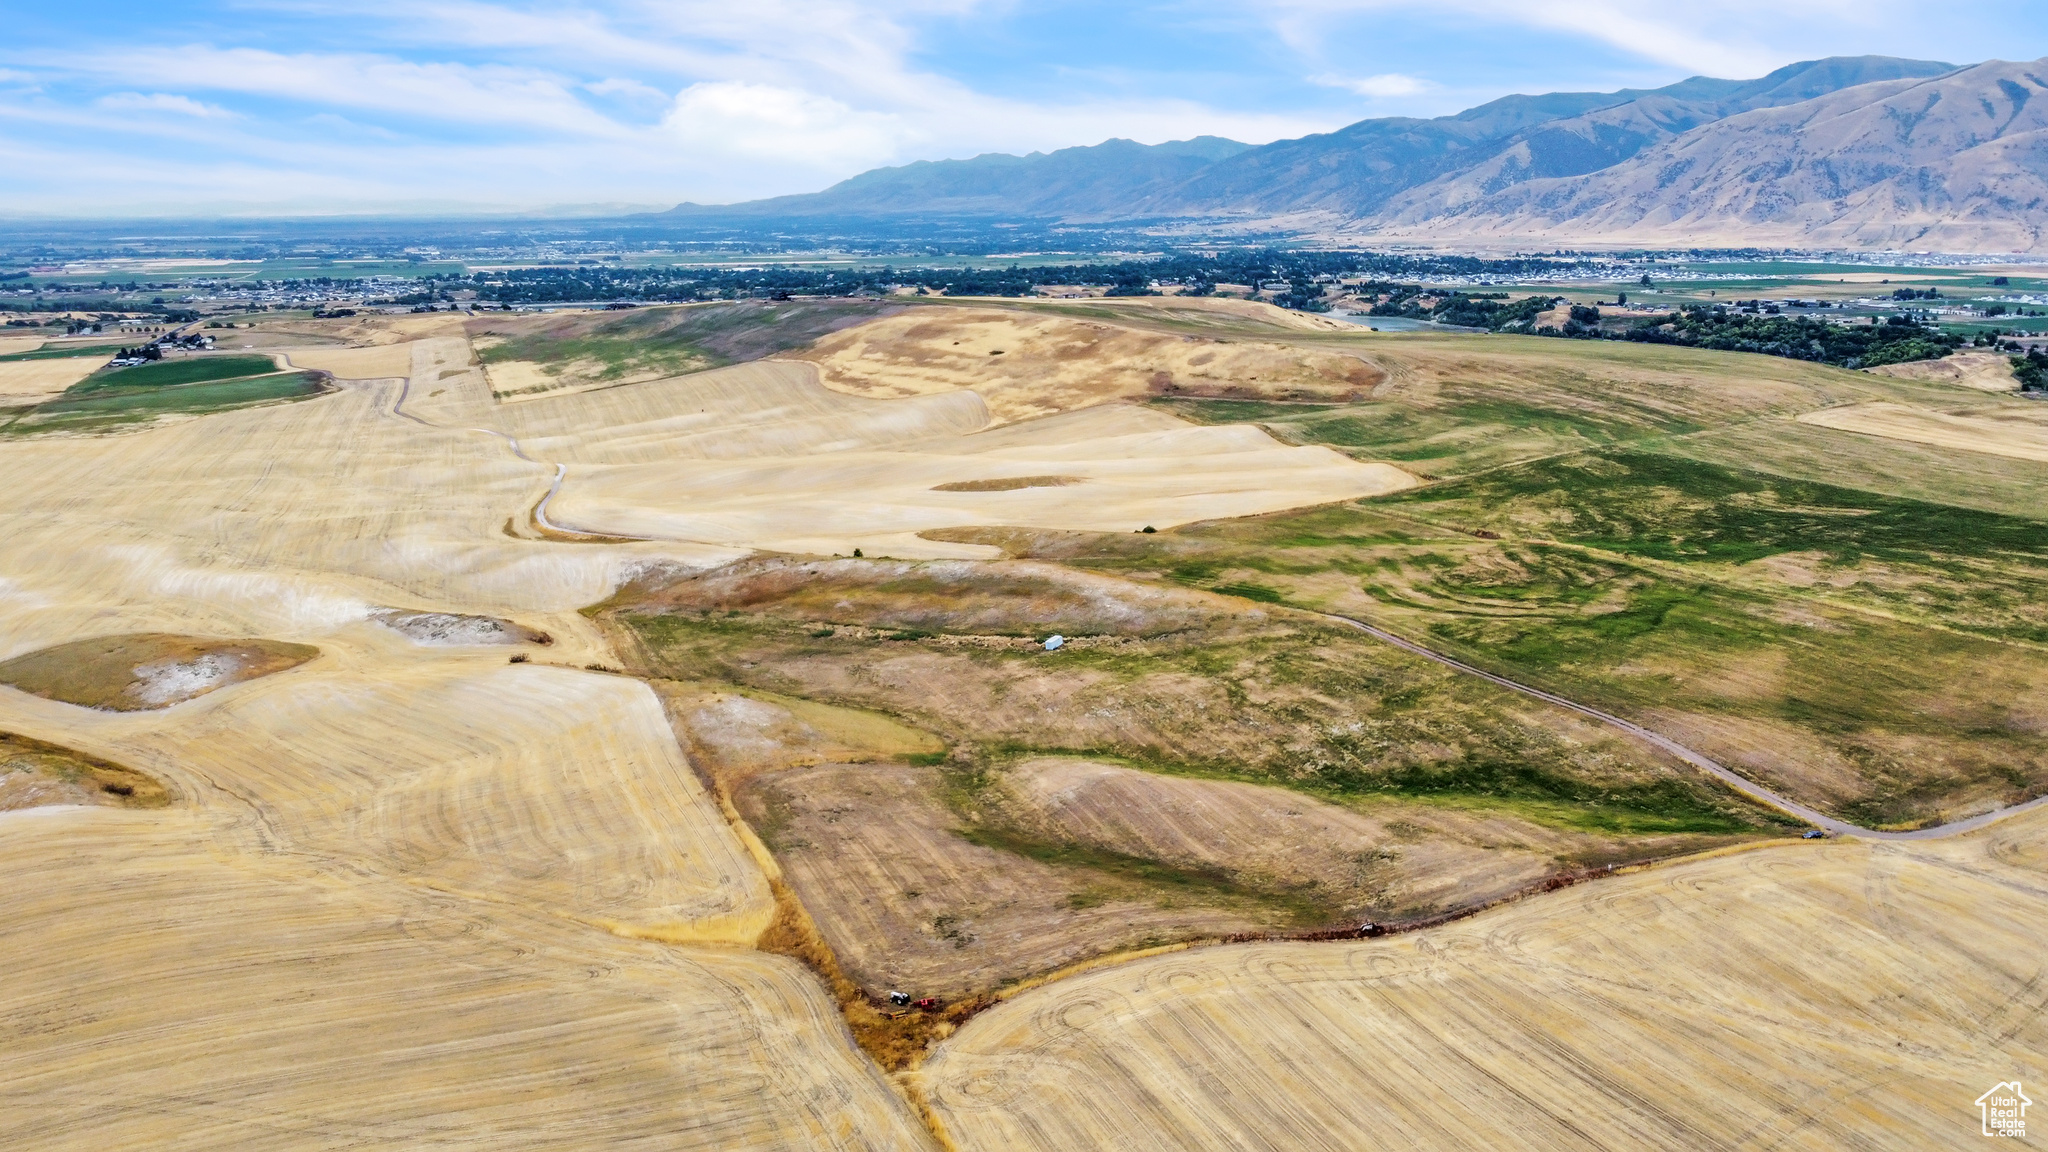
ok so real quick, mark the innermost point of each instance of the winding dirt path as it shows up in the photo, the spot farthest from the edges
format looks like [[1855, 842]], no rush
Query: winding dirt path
[[540, 510]]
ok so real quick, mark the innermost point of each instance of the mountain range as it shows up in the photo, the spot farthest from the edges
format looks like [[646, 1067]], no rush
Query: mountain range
[[1866, 151]]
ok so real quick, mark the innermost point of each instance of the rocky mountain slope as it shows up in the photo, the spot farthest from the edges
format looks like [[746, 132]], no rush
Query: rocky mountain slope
[[1358, 171], [1956, 162]]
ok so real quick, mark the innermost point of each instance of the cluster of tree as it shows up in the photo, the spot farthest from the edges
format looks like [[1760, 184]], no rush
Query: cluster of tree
[[1895, 341], [2031, 370], [1916, 294], [107, 307], [1306, 276], [1488, 310]]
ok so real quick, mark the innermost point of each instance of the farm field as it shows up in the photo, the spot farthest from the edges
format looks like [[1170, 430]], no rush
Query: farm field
[[586, 767], [1846, 994]]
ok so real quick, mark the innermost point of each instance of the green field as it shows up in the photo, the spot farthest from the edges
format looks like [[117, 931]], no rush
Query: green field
[[114, 399], [168, 373]]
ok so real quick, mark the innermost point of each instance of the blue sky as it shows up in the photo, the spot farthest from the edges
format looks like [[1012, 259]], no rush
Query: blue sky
[[381, 105]]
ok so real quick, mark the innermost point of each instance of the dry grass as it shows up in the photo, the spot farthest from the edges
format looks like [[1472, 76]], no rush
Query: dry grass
[[146, 670], [1844, 994], [2021, 433]]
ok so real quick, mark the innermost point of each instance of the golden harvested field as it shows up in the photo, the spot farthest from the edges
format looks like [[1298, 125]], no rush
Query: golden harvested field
[[2021, 432], [27, 381], [758, 455], [1844, 994], [505, 831]]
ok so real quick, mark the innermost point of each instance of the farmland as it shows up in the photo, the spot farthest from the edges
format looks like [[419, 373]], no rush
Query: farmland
[[586, 766]]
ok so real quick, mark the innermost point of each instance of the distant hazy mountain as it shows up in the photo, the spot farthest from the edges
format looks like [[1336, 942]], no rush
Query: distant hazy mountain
[[1072, 181], [1956, 163], [1358, 171], [1865, 151]]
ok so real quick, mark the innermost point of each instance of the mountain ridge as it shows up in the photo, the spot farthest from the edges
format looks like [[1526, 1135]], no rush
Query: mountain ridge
[[1865, 151], [1955, 162]]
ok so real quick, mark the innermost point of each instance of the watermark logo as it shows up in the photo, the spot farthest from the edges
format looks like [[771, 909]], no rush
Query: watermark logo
[[2004, 1109]]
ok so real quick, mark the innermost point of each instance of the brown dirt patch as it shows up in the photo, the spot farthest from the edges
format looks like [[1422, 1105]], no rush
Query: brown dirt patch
[[34, 773], [147, 669], [452, 629], [1007, 484]]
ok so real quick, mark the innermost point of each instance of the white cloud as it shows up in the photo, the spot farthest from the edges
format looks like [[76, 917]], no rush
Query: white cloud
[[483, 94], [161, 102], [785, 124], [528, 101], [1387, 84], [1738, 39]]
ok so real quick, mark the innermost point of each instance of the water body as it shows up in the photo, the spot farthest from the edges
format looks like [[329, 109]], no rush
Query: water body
[[1397, 323]]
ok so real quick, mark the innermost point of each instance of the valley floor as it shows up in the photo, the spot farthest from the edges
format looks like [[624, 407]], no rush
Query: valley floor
[[447, 825]]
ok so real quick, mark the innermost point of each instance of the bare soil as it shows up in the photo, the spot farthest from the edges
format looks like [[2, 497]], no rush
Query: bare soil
[[454, 629], [145, 670]]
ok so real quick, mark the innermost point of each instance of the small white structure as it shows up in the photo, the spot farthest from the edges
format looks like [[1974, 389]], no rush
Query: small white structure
[[1052, 643]]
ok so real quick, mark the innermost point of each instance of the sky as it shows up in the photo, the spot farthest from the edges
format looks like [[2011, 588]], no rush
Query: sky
[[294, 107]]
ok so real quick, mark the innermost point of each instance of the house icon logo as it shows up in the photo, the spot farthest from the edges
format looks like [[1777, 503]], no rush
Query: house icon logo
[[2004, 1110]]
